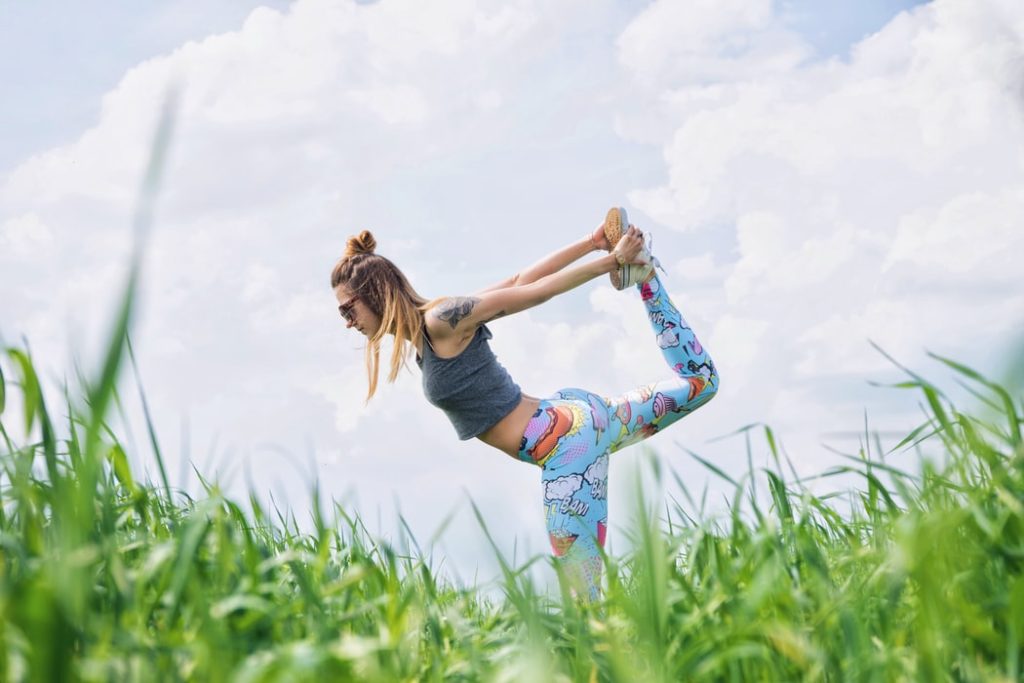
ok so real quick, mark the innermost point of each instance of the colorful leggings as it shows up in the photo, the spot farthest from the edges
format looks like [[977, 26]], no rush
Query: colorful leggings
[[572, 434]]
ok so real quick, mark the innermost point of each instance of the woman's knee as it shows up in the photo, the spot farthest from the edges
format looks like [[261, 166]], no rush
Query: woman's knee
[[708, 393], [703, 388]]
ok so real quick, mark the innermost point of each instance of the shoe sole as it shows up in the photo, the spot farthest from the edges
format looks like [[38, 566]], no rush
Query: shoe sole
[[614, 222]]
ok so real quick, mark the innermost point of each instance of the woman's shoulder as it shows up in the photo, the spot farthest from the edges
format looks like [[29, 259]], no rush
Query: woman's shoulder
[[443, 337]]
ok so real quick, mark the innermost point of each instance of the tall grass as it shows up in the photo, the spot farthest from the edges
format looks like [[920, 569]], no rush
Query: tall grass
[[105, 577]]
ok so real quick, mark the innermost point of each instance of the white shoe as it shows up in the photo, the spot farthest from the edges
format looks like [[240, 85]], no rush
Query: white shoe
[[635, 273]]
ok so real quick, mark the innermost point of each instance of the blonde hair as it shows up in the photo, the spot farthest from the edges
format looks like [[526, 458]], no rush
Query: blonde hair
[[382, 288]]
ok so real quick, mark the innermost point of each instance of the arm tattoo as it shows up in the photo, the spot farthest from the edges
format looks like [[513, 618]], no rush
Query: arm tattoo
[[453, 310]]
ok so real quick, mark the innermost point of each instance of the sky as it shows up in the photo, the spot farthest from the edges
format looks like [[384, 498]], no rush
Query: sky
[[816, 176]]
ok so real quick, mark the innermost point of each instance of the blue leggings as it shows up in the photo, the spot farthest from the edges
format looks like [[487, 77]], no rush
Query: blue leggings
[[573, 432]]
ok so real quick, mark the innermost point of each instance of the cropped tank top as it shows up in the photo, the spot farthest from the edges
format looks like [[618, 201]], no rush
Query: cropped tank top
[[472, 388]]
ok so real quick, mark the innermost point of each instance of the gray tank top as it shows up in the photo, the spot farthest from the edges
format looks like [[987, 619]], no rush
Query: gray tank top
[[473, 389]]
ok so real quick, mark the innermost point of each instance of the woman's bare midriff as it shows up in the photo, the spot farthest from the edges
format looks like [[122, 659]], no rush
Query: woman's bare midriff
[[508, 433]]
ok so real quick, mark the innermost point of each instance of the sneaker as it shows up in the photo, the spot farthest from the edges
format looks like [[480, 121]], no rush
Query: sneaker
[[615, 222], [635, 273]]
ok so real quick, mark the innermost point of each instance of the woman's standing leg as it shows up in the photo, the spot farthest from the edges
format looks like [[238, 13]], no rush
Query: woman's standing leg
[[651, 408], [568, 438]]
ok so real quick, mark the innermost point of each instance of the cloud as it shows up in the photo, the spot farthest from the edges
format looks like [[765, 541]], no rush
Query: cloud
[[292, 131], [976, 233], [597, 476], [280, 125], [25, 234], [707, 41], [698, 268], [668, 338], [873, 198], [562, 488], [807, 206], [597, 471]]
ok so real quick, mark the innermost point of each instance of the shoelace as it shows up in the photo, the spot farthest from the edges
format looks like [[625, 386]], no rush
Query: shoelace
[[649, 238]]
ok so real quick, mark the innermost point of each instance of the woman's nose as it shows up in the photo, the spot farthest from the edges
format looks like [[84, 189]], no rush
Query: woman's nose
[[350, 323]]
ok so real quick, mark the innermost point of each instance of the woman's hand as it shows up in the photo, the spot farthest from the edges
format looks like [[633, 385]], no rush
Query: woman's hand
[[630, 244], [598, 239]]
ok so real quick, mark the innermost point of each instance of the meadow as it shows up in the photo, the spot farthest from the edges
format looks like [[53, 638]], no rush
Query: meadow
[[915, 575]]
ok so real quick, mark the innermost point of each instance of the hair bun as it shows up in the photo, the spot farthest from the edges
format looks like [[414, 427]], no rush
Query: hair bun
[[363, 243]]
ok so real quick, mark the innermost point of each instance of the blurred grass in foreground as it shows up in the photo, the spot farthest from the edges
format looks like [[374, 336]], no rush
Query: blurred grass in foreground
[[107, 578]]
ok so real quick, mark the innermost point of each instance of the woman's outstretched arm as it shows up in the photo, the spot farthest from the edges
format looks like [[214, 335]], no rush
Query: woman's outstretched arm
[[461, 315], [554, 262]]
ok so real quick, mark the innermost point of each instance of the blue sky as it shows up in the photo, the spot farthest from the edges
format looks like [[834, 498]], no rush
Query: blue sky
[[813, 179]]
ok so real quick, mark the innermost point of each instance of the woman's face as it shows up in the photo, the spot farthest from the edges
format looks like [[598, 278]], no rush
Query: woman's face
[[355, 312]]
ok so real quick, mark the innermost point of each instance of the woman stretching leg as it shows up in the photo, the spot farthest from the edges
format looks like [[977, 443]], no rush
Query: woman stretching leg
[[571, 435], [568, 435]]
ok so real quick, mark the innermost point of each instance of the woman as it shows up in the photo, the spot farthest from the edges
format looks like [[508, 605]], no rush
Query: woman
[[570, 434]]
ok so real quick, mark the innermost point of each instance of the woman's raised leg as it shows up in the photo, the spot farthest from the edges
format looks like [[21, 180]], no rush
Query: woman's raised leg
[[651, 408]]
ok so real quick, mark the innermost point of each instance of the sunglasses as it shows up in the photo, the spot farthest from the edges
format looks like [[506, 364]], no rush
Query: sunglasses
[[346, 308]]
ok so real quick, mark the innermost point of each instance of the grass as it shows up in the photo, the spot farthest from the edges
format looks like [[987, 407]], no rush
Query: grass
[[104, 577]]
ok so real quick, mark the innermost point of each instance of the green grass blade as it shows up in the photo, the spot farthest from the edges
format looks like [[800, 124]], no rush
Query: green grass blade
[[3, 391], [713, 468], [150, 429]]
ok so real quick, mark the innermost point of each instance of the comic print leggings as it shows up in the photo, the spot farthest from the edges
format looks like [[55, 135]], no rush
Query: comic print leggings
[[573, 432]]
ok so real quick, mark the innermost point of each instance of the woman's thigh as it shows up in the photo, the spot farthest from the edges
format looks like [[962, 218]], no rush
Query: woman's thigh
[[650, 408], [568, 438], [570, 424]]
